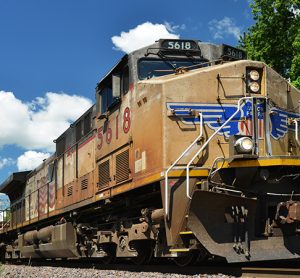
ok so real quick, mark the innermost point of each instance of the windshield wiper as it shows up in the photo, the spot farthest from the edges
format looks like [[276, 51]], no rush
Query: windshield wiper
[[162, 57]]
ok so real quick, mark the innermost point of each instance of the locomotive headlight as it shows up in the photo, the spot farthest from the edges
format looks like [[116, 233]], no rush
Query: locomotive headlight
[[254, 87], [244, 145], [254, 75]]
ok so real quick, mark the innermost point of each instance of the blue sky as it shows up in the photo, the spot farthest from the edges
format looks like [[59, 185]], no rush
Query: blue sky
[[52, 53]]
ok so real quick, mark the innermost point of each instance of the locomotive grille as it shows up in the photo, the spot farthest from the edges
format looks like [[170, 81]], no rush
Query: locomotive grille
[[70, 190], [104, 174], [122, 166], [84, 184]]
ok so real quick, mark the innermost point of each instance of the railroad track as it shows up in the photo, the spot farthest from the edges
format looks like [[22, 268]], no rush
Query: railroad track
[[270, 272], [210, 269]]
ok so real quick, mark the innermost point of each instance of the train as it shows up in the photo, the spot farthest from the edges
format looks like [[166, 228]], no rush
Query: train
[[190, 152]]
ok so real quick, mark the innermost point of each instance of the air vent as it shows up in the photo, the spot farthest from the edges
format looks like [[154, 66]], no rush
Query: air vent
[[122, 166], [70, 190], [104, 174], [84, 184]]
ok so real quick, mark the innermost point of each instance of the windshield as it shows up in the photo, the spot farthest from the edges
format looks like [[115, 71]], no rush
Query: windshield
[[148, 68]]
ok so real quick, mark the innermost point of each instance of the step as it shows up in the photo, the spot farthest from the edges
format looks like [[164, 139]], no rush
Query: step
[[186, 233], [180, 250]]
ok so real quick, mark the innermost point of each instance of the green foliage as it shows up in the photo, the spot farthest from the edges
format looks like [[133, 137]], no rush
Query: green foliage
[[275, 36], [295, 68]]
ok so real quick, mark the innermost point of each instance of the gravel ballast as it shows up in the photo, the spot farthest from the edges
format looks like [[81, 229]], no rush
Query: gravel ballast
[[21, 271]]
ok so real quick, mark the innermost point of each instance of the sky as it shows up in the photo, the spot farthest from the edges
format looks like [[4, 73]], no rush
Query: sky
[[52, 54]]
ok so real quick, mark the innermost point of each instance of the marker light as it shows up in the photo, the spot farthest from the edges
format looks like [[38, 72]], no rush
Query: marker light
[[244, 145], [254, 87], [254, 75]]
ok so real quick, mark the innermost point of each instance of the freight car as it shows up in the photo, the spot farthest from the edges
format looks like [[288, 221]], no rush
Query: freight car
[[190, 151]]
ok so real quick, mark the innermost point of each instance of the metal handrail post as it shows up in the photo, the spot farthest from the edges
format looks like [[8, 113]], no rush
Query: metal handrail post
[[176, 161], [209, 139], [296, 131]]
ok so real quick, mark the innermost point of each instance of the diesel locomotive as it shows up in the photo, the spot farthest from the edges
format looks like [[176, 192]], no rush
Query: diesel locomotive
[[190, 151]]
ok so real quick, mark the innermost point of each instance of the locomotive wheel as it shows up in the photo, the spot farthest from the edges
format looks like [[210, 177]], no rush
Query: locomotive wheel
[[201, 256], [111, 254], [186, 259], [145, 253]]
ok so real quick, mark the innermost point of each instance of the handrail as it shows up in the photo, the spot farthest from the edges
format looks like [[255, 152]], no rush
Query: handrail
[[296, 131], [209, 139], [176, 161]]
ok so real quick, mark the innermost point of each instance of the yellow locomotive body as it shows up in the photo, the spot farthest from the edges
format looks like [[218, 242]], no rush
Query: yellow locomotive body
[[190, 150]]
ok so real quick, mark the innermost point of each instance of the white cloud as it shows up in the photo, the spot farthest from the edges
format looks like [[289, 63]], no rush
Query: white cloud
[[36, 124], [174, 28], [30, 160], [224, 27], [6, 161], [145, 34]]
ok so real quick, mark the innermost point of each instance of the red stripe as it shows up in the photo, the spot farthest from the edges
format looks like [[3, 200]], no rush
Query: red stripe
[[87, 141], [261, 128]]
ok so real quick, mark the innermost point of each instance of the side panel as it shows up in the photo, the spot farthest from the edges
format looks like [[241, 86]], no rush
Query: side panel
[[86, 156], [59, 182], [147, 132], [284, 98]]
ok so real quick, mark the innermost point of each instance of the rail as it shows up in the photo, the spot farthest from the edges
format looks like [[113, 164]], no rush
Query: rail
[[188, 166]]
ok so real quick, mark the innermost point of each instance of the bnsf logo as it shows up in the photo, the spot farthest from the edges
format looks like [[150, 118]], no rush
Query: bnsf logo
[[109, 132]]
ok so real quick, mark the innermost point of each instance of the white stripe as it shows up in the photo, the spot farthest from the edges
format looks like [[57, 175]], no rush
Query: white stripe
[[212, 116], [283, 115]]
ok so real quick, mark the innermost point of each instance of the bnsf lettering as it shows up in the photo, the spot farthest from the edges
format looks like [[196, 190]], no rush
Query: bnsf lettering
[[109, 131]]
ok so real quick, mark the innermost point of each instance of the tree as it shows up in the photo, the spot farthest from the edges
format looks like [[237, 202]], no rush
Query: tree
[[295, 68], [275, 36]]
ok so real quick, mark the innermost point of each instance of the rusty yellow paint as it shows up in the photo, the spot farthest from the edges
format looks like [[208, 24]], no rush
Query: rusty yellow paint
[[174, 174], [152, 178], [114, 190], [193, 173], [103, 195]]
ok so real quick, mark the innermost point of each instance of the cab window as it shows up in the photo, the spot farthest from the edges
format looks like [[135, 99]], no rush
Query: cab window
[[125, 81], [112, 88], [106, 98], [148, 67], [87, 123]]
